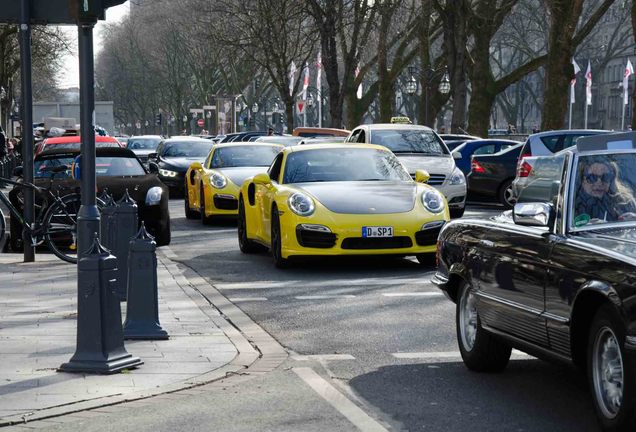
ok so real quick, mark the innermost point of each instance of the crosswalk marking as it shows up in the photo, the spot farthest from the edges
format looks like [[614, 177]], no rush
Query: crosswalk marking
[[324, 297], [247, 299], [323, 283], [414, 294]]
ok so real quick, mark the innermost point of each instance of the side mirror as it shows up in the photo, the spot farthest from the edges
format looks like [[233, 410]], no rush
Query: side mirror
[[261, 179], [533, 214], [17, 171], [457, 155], [422, 176], [196, 166]]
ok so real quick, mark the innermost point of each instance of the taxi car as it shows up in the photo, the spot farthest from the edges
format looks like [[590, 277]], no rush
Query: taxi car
[[556, 276], [212, 188], [339, 199]]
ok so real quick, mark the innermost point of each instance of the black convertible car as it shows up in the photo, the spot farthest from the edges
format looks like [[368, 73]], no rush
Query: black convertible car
[[117, 169], [556, 276]]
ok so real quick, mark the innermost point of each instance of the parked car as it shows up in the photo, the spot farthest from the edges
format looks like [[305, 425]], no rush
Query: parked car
[[212, 188], [244, 136], [556, 277], [545, 144], [117, 170], [479, 147], [453, 141], [491, 176], [173, 158], [143, 145], [339, 199], [74, 142], [419, 147]]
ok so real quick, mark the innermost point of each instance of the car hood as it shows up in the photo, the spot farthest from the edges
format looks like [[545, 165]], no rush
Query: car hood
[[182, 163], [238, 175], [620, 240], [364, 197], [432, 164]]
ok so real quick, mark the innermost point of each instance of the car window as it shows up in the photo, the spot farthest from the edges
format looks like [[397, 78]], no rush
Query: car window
[[486, 149], [187, 149], [505, 146], [274, 170], [571, 140], [244, 156], [361, 137], [544, 180], [142, 144], [112, 166], [554, 143], [354, 136], [409, 141], [42, 167]]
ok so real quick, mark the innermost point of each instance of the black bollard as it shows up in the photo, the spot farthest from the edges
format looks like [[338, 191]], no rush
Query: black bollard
[[126, 224], [107, 220], [100, 337], [142, 309]]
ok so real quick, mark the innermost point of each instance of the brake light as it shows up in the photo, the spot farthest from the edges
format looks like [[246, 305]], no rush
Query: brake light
[[524, 169], [476, 167]]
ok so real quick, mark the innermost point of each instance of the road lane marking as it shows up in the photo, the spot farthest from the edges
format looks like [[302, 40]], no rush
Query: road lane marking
[[443, 355], [414, 294], [324, 297], [247, 299], [324, 283], [323, 357], [342, 404]]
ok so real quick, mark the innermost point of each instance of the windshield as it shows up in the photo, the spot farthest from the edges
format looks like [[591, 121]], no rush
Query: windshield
[[109, 166], [76, 145], [409, 141], [340, 164], [604, 189], [244, 156], [143, 143], [187, 149]]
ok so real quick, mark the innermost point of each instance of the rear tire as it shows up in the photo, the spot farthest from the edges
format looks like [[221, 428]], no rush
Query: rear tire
[[163, 238], [189, 213], [506, 195], [60, 228], [480, 350], [279, 261], [246, 245], [205, 220]]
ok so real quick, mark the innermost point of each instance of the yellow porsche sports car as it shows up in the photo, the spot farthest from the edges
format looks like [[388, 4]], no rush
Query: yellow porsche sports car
[[212, 188], [339, 199]]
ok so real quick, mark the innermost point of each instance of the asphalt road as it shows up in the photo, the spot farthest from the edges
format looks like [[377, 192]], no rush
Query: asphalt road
[[375, 329]]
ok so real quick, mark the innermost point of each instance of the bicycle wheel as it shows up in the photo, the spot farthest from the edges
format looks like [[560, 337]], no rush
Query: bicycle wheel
[[60, 227]]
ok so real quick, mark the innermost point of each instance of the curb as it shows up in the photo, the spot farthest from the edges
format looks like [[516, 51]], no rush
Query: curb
[[259, 352]]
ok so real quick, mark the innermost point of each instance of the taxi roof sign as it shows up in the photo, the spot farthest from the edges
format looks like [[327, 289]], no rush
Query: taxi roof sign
[[605, 142], [401, 120]]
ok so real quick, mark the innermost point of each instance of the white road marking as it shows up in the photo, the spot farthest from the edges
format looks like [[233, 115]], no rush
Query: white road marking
[[247, 299], [347, 408], [324, 297], [323, 357], [414, 294], [443, 355], [323, 283]]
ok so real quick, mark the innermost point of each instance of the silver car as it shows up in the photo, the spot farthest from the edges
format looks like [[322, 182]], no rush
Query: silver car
[[419, 147]]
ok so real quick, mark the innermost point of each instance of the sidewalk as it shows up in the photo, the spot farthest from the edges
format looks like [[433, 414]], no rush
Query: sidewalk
[[38, 310]]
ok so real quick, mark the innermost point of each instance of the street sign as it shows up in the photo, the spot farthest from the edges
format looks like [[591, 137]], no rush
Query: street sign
[[301, 106], [56, 11], [200, 122]]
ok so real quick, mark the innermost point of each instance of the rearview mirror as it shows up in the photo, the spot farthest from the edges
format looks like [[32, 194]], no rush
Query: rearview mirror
[[533, 214], [457, 155], [196, 166], [422, 176], [262, 179]]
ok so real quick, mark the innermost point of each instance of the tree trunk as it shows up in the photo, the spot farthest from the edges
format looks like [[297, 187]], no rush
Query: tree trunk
[[483, 87]]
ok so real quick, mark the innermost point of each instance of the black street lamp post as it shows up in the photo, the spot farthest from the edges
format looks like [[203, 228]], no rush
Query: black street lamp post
[[430, 75]]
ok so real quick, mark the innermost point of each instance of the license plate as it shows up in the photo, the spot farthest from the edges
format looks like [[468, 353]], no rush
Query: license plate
[[377, 231]]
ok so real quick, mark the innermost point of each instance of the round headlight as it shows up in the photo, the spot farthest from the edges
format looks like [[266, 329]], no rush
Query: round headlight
[[433, 201], [457, 177], [301, 204], [218, 181], [153, 196]]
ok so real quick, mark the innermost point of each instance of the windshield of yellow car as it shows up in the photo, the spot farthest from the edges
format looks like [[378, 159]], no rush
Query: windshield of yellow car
[[244, 156], [409, 141], [343, 164]]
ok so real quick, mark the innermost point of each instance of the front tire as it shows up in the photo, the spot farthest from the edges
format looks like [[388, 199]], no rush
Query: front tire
[[279, 261], [246, 245], [610, 372], [480, 350]]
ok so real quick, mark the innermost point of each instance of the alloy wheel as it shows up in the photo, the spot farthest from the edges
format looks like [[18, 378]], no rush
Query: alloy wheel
[[468, 319], [608, 372]]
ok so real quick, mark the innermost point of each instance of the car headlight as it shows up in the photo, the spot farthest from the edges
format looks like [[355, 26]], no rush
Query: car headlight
[[301, 204], [457, 177], [218, 181], [153, 196], [167, 173], [433, 201]]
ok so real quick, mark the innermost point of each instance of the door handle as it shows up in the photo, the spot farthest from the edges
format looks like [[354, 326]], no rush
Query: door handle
[[487, 243]]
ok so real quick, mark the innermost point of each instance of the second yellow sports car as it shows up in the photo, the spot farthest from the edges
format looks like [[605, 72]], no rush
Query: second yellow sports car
[[339, 199], [212, 188]]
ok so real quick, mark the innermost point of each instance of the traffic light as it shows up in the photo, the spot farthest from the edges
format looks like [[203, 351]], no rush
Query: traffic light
[[158, 119]]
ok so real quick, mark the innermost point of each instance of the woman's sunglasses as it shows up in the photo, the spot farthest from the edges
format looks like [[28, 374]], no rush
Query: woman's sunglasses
[[593, 178]]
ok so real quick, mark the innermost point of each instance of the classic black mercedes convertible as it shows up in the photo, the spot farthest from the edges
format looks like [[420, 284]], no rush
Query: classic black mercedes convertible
[[556, 276]]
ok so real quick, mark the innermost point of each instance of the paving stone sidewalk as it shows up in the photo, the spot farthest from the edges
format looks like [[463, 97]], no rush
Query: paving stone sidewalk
[[38, 307]]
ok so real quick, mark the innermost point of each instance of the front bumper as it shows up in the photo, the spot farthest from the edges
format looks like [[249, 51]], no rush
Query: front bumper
[[222, 202], [455, 194], [176, 183]]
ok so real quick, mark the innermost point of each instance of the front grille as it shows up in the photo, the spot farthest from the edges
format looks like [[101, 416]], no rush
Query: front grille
[[428, 236], [377, 242], [434, 179], [223, 203], [315, 239]]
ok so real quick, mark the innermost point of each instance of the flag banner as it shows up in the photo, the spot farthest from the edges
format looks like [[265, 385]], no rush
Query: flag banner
[[359, 91], [577, 69], [629, 70], [588, 84], [306, 81], [319, 72], [292, 73]]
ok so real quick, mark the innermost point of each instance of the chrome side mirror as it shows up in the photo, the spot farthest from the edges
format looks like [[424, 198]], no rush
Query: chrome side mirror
[[456, 155], [533, 214]]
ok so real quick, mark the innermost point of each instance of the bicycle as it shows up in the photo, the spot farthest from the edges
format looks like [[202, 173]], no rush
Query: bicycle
[[56, 221]]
